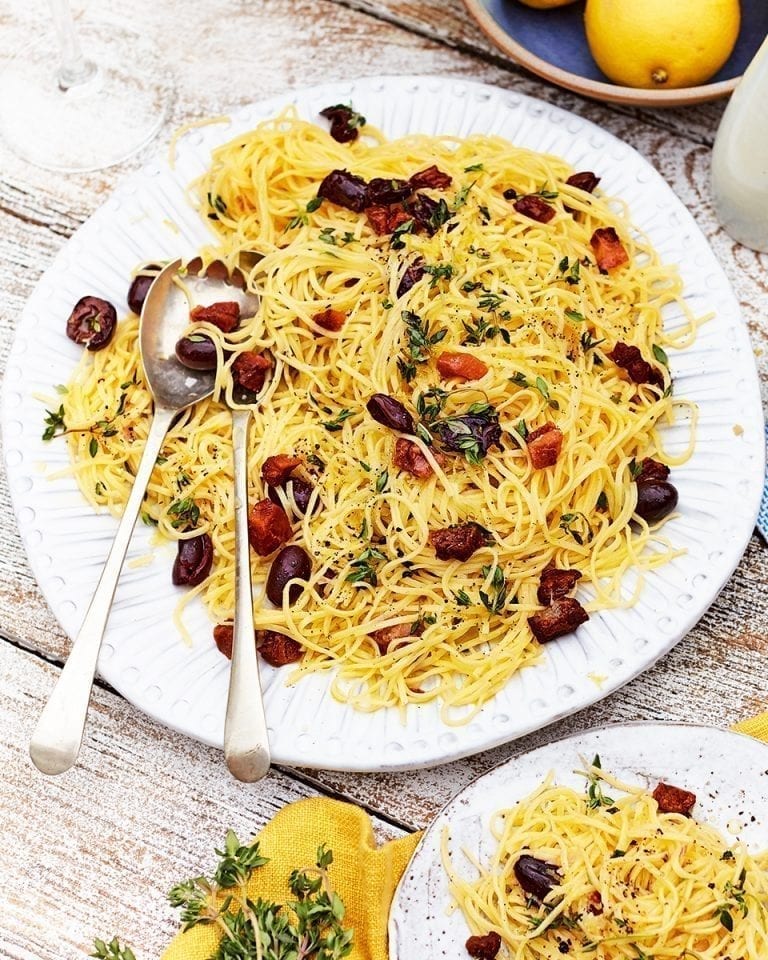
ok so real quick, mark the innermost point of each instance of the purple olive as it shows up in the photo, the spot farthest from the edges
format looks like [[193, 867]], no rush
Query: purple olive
[[423, 209], [302, 491], [292, 563], [139, 288], [92, 322], [655, 499], [412, 275], [385, 190], [345, 122], [345, 189], [193, 561], [197, 351], [390, 413], [536, 877]]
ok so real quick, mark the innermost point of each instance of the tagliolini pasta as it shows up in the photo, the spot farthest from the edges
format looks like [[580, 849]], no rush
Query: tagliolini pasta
[[598, 877], [513, 317]]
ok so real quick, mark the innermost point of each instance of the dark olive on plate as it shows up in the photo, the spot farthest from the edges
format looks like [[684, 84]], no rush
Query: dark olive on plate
[[655, 499], [92, 322], [390, 413], [536, 877], [139, 288], [292, 563], [197, 351], [302, 491], [193, 561]]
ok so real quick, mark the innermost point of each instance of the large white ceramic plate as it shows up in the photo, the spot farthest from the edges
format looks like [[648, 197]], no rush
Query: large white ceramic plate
[[727, 771], [144, 658]]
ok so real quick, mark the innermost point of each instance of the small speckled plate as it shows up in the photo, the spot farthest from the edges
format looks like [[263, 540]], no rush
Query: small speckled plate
[[149, 217], [727, 771], [553, 45]]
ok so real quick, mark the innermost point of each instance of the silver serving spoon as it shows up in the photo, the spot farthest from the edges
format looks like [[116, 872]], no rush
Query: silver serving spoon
[[56, 741]]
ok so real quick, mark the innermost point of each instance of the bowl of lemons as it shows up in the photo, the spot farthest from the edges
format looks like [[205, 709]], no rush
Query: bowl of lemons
[[646, 52]]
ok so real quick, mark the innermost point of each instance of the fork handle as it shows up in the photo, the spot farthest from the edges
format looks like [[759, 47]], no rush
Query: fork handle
[[56, 741], [246, 743]]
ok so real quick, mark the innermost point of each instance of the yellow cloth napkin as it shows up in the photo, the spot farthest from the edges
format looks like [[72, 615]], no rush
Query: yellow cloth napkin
[[364, 875], [756, 727]]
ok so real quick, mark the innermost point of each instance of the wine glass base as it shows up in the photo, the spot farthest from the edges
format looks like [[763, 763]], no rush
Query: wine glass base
[[109, 117]]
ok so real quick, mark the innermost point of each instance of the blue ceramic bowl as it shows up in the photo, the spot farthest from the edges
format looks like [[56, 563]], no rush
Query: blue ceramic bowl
[[552, 44]]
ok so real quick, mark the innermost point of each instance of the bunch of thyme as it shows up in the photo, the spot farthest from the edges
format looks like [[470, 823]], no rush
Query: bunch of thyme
[[307, 928]]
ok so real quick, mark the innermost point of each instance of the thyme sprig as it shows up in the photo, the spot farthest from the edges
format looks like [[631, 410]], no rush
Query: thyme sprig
[[595, 796], [365, 567], [496, 598], [112, 950], [308, 928], [421, 339]]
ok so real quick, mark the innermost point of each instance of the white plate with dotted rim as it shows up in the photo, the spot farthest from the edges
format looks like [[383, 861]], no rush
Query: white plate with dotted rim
[[698, 758], [148, 217]]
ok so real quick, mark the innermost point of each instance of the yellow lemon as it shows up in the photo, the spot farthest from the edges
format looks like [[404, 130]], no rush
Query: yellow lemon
[[546, 4], [661, 44]]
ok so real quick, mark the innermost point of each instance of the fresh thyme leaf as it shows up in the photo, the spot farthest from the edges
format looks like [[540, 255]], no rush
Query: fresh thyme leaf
[[577, 525], [495, 600], [520, 379], [55, 423], [381, 481], [61, 389], [575, 316], [481, 330], [542, 386], [147, 520], [93, 447], [185, 512], [470, 285], [462, 598], [595, 795], [397, 242], [522, 429], [635, 469], [660, 355], [473, 168], [421, 339], [364, 568], [588, 342], [327, 235], [112, 950], [548, 194], [563, 265], [440, 215], [442, 271], [301, 218], [490, 301], [314, 204], [461, 197], [335, 424]]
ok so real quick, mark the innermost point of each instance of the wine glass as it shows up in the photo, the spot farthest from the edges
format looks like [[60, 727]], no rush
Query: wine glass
[[83, 108]]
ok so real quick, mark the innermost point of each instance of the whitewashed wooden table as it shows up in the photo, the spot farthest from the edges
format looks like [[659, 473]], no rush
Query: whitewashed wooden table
[[92, 853]]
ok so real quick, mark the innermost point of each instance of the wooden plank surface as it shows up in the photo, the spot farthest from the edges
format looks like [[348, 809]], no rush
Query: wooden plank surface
[[145, 806]]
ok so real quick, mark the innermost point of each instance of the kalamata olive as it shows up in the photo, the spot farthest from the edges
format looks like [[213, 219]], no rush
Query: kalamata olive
[[385, 190], [536, 877], [302, 491], [345, 189], [412, 275], [390, 413], [292, 563], [510, 194], [655, 499], [193, 561], [139, 288], [197, 351], [92, 322]]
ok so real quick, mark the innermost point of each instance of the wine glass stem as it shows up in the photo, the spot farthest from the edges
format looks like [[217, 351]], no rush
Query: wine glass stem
[[74, 69]]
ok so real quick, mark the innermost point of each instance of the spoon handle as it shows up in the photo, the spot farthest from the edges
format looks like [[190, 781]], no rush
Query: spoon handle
[[56, 741], [246, 743]]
